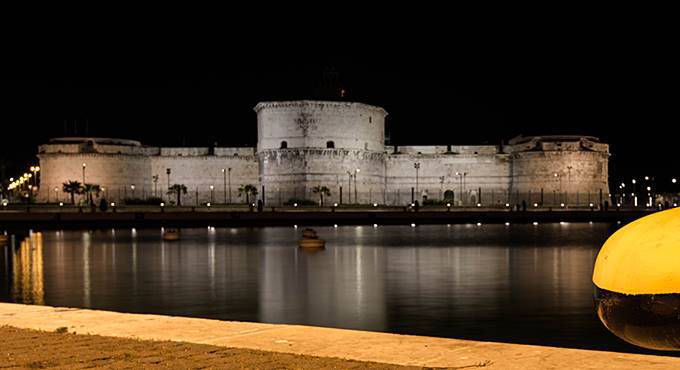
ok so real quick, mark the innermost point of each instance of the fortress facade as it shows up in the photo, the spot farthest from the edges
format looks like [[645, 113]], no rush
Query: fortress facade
[[339, 145]]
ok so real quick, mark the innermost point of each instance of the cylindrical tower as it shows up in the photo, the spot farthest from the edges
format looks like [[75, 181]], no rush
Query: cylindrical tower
[[551, 170], [305, 144]]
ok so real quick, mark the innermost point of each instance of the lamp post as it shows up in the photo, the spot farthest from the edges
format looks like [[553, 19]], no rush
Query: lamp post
[[356, 198], [35, 170], [349, 187], [84, 166], [155, 185], [56, 194], [224, 174], [168, 172], [417, 167], [229, 171], [461, 178], [212, 194], [132, 187]]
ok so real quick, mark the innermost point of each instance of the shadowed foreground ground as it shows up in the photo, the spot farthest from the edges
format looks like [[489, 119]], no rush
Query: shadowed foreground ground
[[31, 349]]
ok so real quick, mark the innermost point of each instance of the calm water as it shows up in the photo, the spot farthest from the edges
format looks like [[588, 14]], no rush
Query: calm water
[[519, 283]]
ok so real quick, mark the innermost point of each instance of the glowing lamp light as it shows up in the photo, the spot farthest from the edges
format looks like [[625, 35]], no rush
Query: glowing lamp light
[[375, 204], [413, 204], [562, 205], [637, 281], [507, 224], [591, 204], [4, 203], [479, 224], [295, 226], [535, 223], [479, 204], [375, 225], [207, 204], [535, 205], [61, 204], [335, 225], [162, 204], [674, 180], [413, 225], [294, 204], [335, 204], [113, 204], [448, 204]]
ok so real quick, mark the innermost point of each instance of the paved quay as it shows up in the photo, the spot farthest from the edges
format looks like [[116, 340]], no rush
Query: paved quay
[[318, 342]]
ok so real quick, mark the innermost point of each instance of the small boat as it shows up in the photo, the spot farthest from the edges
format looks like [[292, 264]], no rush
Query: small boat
[[311, 240], [171, 234]]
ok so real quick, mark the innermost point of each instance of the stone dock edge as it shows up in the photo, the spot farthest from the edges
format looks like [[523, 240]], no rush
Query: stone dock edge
[[324, 342]]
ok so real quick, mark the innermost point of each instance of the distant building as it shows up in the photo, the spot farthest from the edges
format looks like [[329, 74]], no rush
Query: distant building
[[340, 145]]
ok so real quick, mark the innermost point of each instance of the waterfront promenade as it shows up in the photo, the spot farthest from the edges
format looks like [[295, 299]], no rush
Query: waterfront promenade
[[139, 216], [228, 344]]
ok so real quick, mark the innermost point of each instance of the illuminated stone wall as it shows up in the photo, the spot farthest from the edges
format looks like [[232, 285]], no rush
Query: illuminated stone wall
[[325, 144], [117, 167]]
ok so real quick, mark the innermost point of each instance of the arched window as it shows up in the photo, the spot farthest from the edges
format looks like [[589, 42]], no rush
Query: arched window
[[330, 144], [448, 194], [284, 144]]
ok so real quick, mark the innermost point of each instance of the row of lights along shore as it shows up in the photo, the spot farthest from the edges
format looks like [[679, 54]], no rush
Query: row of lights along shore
[[24, 179]]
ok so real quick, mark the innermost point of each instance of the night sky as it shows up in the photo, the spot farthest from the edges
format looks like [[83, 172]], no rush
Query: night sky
[[608, 90]]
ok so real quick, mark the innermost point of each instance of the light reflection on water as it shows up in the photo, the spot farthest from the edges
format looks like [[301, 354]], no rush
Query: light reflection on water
[[517, 283]]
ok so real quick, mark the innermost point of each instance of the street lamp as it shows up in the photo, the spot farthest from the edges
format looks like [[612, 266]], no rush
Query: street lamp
[[349, 186], [35, 170], [84, 166], [461, 177], [155, 185], [229, 172], [417, 167], [356, 199], [224, 174], [132, 187], [56, 194], [212, 194]]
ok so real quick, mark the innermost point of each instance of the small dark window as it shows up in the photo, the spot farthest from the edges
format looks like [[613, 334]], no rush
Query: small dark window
[[330, 144], [476, 153], [370, 119], [284, 144], [235, 154]]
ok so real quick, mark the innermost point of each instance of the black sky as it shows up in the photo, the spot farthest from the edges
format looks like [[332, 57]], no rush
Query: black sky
[[622, 90]]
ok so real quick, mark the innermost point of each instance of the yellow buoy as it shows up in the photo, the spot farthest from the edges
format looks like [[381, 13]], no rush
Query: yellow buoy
[[311, 240], [637, 281], [171, 234]]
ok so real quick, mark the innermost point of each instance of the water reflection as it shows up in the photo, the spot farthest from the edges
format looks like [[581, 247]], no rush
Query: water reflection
[[517, 283], [27, 273]]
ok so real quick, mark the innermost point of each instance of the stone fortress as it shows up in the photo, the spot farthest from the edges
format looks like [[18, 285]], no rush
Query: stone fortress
[[341, 145]]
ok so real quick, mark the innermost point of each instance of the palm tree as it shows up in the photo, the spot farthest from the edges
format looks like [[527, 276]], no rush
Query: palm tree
[[178, 189], [321, 190], [89, 189], [248, 190], [72, 187]]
